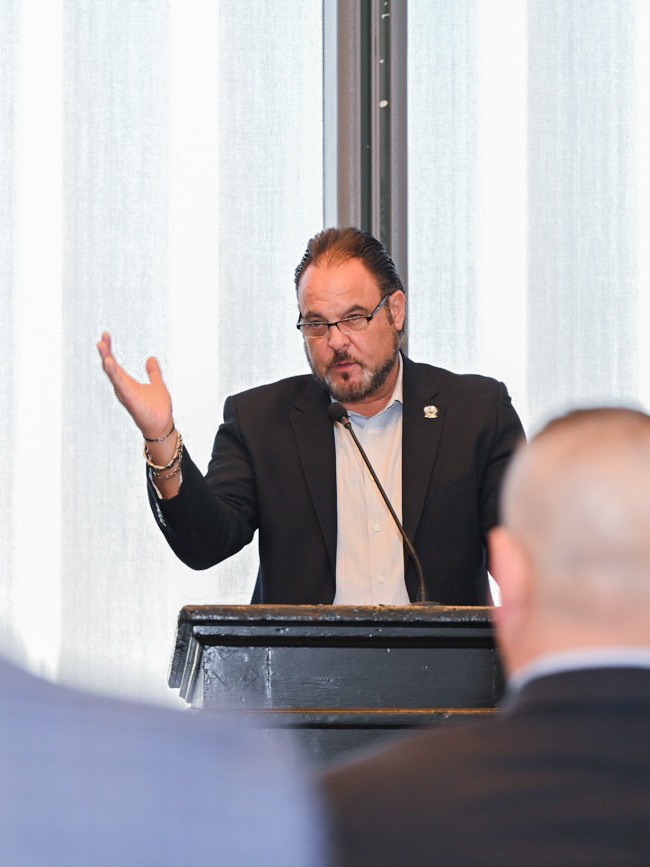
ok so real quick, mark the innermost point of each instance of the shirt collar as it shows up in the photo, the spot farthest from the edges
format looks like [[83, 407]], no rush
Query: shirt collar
[[576, 660]]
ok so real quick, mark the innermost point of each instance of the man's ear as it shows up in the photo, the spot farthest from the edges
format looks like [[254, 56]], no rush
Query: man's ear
[[397, 303], [510, 567]]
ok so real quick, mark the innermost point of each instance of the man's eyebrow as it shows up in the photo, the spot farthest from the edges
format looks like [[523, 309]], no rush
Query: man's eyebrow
[[351, 311]]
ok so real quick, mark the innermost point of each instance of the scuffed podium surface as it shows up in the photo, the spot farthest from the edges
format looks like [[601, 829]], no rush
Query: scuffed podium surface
[[339, 677]]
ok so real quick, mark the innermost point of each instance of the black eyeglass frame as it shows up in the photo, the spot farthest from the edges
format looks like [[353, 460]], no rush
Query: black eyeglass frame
[[358, 317]]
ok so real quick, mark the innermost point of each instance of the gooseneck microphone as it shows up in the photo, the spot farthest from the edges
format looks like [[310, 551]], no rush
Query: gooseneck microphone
[[337, 412]]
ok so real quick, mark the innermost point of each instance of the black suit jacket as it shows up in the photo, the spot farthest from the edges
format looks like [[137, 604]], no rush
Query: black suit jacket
[[561, 777], [273, 468]]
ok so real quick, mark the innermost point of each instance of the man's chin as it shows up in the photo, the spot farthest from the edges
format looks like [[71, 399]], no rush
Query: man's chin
[[348, 390], [356, 384]]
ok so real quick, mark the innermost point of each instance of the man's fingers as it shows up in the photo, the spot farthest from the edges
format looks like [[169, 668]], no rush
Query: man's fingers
[[104, 344], [148, 403], [153, 370], [119, 379], [110, 367], [108, 362]]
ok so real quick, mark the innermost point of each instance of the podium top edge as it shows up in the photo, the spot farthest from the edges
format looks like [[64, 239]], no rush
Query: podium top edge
[[335, 613]]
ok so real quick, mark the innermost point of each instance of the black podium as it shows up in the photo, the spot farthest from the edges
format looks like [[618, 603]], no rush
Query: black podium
[[338, 677]]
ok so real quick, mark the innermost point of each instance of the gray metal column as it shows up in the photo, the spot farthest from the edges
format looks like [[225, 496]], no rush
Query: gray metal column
[[365, 114]]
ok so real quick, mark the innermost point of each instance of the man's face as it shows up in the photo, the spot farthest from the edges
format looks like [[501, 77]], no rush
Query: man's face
[[353, 367]]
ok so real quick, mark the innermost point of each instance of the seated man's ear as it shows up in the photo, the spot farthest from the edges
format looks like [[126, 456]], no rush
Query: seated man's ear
[[510, 568]]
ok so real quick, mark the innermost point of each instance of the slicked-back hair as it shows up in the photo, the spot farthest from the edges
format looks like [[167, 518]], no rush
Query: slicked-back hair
[[336, 246]]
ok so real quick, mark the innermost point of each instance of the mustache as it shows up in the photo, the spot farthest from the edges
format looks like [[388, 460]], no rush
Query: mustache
[[339, 356], [342, 355]]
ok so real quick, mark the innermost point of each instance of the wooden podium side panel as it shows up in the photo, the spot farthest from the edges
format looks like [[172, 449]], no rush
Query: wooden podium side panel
[[343, 677]]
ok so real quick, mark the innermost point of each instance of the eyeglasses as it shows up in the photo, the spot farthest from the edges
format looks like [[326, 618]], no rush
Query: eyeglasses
[[349, 325]]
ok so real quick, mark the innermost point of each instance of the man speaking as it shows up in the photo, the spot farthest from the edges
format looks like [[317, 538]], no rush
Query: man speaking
[[438, 442]]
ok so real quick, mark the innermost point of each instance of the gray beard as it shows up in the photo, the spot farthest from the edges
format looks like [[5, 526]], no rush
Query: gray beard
[[371, 382]]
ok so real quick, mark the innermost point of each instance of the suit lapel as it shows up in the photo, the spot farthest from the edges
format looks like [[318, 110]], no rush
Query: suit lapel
[[314, 434], [421, 435]]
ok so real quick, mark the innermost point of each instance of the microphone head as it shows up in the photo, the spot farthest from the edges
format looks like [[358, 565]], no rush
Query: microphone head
[[337, 412]]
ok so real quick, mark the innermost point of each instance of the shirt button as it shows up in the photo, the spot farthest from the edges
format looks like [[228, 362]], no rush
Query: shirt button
[[376, 527], [381, 579]]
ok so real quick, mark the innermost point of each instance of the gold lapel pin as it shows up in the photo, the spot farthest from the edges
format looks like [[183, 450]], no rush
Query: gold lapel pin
[[431, 412]]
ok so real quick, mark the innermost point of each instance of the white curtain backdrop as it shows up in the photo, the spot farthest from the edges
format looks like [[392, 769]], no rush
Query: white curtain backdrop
[[160, 173], [528, 196]]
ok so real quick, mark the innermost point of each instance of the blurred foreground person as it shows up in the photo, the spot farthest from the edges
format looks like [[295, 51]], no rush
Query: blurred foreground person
[[93, 781], [562, 774]]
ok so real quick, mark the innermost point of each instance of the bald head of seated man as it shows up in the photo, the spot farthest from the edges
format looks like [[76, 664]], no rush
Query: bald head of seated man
[[561, 774]]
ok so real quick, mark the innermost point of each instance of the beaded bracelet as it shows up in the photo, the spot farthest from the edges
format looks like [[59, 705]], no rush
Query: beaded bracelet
[[157, 475], [177, 455]]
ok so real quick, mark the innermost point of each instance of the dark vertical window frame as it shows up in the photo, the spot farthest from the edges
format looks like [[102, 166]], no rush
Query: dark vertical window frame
[[365, 114]]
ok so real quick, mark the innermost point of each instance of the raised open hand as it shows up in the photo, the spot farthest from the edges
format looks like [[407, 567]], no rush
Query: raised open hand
[[149, 404]]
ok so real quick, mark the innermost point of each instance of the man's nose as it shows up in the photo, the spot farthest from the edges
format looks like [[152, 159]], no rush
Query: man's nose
[[336, 339]]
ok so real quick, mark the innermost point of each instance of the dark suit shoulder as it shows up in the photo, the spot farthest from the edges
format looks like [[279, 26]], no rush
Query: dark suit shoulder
[[559, 779], [449, 380], [284, 392]]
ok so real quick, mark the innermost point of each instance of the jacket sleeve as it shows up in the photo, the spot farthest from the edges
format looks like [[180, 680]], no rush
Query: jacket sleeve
[[215, 516]]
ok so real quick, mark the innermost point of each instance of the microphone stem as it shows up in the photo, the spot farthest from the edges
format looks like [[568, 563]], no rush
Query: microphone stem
[[422, 597]]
